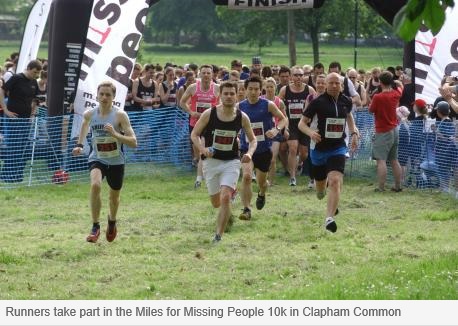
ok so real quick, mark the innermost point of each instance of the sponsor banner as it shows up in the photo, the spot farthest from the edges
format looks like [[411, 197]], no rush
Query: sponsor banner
[[228, 312], [270, 4], [436, 56], [112, 42], [33, 33]]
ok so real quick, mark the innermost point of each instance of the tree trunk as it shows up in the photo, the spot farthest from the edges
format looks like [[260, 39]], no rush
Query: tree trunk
[[291, 38], [314, 29]]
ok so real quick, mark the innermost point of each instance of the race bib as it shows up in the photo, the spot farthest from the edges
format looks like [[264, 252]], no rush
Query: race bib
[[334, 127], [258, 130], [107, 147], [201, 107], [223, 140], [295, 110], [147, 98], [172, 100]]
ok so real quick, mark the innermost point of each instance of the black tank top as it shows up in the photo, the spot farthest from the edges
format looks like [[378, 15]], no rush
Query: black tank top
[[222, 136], [295, 103], [145, 92]]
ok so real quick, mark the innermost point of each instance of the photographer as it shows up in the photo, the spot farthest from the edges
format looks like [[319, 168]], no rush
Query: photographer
[[449, 91]]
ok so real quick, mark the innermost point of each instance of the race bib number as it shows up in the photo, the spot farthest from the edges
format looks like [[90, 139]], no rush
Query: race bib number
[[334, 127], [172, 100], [201, 107], [147, 98], [258, 130], [223, 140], [107, 147], [295, 110]]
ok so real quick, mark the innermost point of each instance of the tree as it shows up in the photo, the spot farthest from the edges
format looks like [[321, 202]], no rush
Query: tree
[[174, 17], [431, 13], [258, 28]]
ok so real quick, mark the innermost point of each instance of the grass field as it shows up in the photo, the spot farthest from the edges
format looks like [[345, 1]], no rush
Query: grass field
[[388, 246], [368, 57]]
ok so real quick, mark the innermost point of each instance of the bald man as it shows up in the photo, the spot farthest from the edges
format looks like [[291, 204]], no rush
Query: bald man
[[328, 114]]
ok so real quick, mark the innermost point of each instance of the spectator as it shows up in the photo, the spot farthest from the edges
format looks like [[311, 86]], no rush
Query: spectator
[[386, 138], [22, 90], [445, 145], [402, 114]]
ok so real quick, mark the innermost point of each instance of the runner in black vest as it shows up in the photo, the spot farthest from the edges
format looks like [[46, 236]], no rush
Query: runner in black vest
[[295, 95], [328, 114], [220, 126]]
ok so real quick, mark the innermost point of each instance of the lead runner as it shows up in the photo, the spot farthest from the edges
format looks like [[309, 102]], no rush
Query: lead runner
[[110, 128]]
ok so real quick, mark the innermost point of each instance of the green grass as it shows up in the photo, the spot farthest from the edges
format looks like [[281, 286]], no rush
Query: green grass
[[368, 57], [388, 245]]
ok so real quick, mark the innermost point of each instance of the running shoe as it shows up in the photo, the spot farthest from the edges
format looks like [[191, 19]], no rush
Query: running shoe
[[260, 201], [197, 184], [94, 235], [217, 238], [292, 182], [330, 225], [112, 230], [246, 214]]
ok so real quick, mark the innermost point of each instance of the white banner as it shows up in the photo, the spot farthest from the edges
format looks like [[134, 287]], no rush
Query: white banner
[[33, 33], [270, 4], [436, 56], [228, 312], [113, 38]]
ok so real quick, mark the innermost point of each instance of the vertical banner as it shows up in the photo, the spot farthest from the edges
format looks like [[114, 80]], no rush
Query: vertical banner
[[33, 33], [112, 42], [436, 56]]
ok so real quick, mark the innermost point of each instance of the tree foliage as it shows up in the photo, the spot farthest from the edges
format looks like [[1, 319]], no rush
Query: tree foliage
[[176, 17], [431, 13]]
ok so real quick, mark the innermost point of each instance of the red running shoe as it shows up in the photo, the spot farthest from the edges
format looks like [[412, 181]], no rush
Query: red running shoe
[[111, 230], [94, 235]]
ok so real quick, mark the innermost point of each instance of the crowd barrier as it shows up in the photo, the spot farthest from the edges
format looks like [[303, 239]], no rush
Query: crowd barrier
[[38, 150]]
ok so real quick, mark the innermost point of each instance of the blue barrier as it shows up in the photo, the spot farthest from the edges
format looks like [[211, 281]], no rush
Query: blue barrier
[[33, 150]]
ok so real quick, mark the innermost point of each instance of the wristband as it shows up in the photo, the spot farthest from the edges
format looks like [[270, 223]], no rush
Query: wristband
[[79, 145], [279, 129], [353, 133]]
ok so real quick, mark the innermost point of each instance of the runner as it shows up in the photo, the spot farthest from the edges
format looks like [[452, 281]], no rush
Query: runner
[[203, 95], [110, 128], [271, 86], [261, 113], [221, 165], [294, 96], [328, 114]]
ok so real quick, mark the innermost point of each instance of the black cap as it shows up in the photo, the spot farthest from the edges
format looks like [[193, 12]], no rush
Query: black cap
[[443, 107]]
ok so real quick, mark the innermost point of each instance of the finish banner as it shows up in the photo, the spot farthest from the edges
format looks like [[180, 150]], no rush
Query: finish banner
[[270, 4], [112, 43], [436, 56], [33, 33]]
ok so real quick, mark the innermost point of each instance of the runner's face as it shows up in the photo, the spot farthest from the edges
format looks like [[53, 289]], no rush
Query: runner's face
[[297, 76], [284, 78], [253, 91], [320, 85], [229, 96], [206, 74], [149, 73], [105, 95], [270, 88], [241, 92], [333, 85]]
